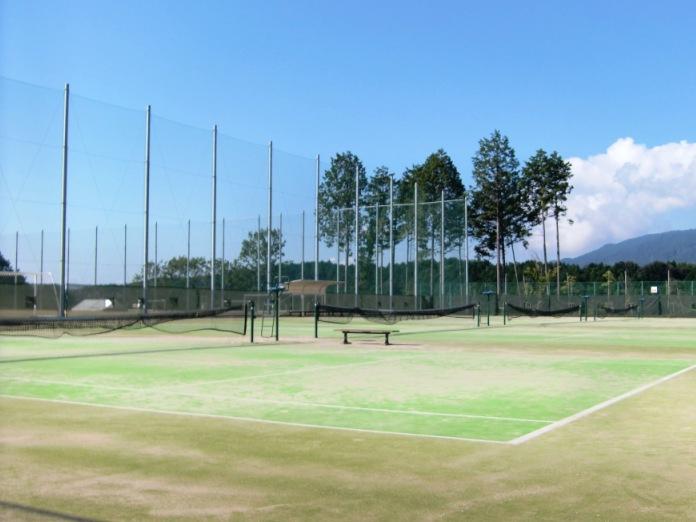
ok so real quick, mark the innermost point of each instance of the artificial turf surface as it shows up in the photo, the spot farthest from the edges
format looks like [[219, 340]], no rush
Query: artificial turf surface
[[488, 384]]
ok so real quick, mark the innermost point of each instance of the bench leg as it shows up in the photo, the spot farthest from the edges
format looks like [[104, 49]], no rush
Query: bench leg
[[345, 338], [386, 339]]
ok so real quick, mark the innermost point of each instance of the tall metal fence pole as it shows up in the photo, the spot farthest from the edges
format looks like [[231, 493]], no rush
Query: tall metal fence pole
[[303, 245], [391, 241], [357, 225], [16, 269], [316, 223], [213, 231], [96, 252], [188, 255], [415, 243], [125, 255], [466, 245], [258, 254], [188, 264], [64, 201], [156, 267], [338, 251], [442, 249], [270, 216], [376, 248], [67, 268], [280, 248], [41, 269], [222, 267], [146, 224]]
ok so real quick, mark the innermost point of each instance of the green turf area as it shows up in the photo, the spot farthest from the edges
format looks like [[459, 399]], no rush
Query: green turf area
[[444, 382]]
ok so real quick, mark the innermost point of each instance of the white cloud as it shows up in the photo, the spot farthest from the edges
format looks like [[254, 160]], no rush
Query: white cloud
[[624, 192]]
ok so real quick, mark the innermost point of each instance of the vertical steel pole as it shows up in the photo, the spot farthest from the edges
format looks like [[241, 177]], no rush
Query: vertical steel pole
[[67, 269], [280, 249], [466, 245], [270, 216], [357, 225], [376, 248], [258, 254], [41, 270], [442, 249], [188, 264], [391, 241], [316, 223], [96, 250], [188, 254], [16, 263], [415, 243], [146, 224], [125, 254], [338, 250], [156, 267], [213, 228], [64, 201], [303, 244], [16, 269], [222, 267]]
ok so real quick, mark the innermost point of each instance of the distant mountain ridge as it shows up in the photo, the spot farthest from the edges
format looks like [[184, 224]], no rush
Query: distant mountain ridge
[[677, 245]]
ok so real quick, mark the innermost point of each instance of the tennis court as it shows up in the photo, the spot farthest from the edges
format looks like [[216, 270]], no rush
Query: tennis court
[[443, 378]]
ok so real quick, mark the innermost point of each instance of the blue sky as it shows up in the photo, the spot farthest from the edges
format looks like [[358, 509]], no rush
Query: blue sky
[[391, 81]]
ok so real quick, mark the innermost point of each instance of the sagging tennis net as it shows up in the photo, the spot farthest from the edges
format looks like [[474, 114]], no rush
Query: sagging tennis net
[[344, 315], [528, 311], [230, 319], [605, 310]]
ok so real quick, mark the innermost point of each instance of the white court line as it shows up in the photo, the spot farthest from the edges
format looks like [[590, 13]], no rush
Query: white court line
[[290, 372], [584, 413], [281, 402], [251, 419]]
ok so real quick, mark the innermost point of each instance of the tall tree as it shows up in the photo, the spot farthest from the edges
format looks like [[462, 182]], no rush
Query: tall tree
[[537, 180], [559, 173], [495, 202], [437, 174], [337, 201], [256, 243], [377, 232]]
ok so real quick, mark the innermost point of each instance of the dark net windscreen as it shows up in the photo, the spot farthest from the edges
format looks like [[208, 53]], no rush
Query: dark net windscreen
[[229, 319], [529, 311], [343, 315]]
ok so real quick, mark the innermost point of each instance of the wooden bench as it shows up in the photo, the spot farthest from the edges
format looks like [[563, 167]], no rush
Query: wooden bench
[[385, 333]]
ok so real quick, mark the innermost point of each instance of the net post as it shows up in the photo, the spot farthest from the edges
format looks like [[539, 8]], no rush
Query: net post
[[504, 313]]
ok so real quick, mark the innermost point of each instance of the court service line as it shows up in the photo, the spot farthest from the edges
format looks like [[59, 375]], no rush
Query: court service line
[[282, 402], [252, 419], [291, 372], [584, 413]]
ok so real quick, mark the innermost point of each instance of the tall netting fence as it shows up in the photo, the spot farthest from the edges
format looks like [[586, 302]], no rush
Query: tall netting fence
[[209, 225]]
